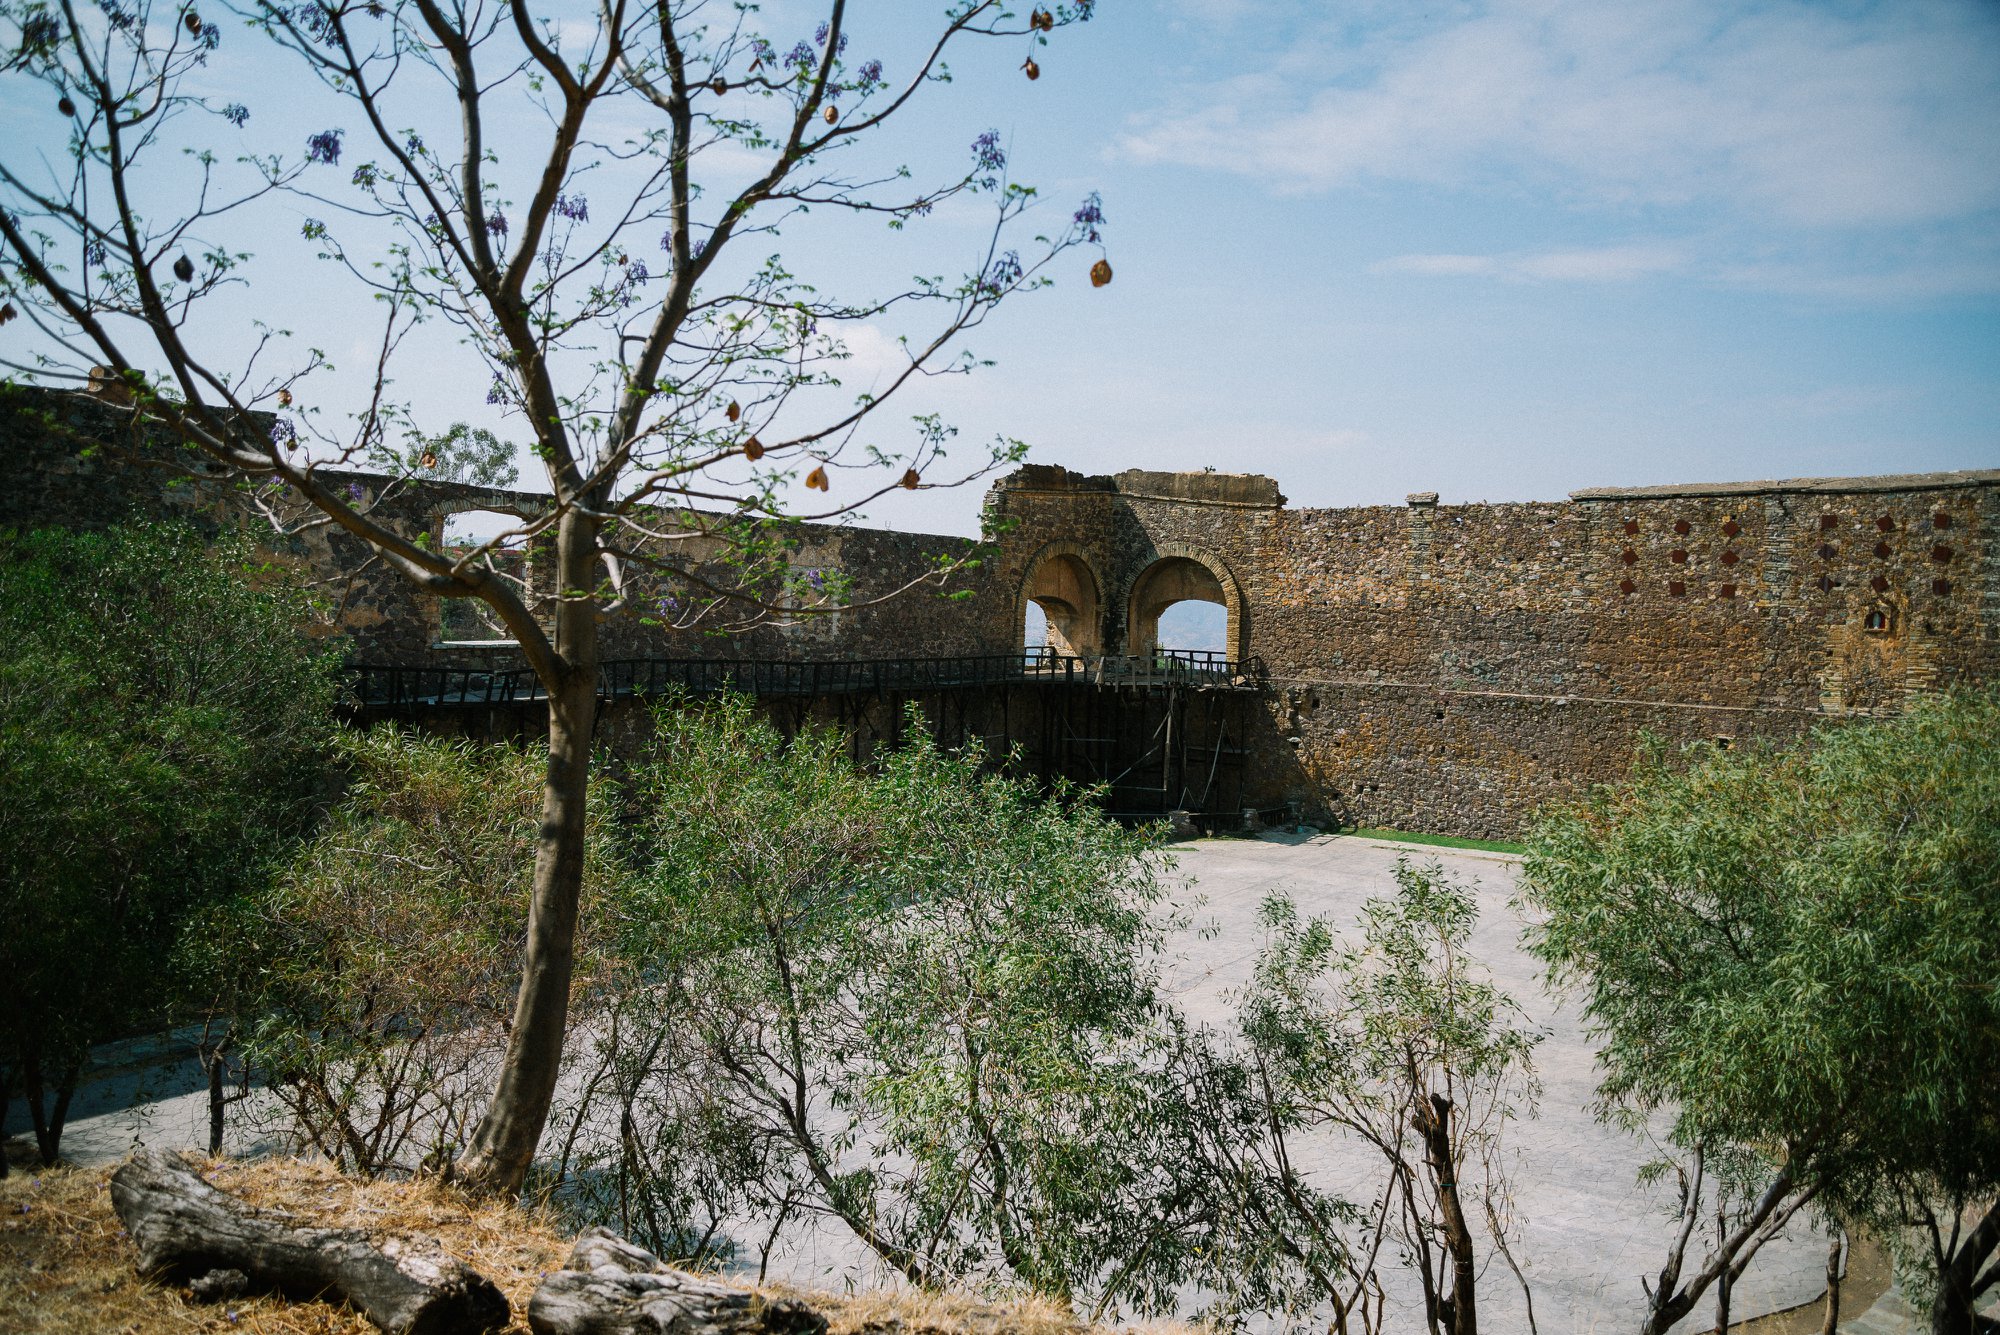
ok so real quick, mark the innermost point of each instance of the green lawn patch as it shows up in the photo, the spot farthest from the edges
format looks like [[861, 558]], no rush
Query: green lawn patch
[[1441, 840]]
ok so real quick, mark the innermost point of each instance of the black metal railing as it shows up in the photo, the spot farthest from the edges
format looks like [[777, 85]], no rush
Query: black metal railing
[[381, 686]]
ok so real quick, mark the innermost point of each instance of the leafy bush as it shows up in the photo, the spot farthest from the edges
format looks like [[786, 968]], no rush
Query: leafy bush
[[1791, 955], [387, 952], [916, 1000], [162, 724]]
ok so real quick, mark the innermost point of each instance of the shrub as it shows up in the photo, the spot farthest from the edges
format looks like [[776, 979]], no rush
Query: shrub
[[162, 724]]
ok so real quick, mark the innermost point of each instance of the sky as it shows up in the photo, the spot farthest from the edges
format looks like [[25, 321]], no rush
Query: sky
[[1496, 250]]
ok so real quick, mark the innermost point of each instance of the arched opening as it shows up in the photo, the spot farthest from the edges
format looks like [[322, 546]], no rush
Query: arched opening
[[1180, 606], [469, 621], [1060, 609]]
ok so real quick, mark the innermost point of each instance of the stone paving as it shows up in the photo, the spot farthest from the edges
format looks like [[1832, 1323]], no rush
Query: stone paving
[[1588, 1230]]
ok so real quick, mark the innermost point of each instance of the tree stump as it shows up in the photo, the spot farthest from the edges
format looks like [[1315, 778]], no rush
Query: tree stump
[[187, 1230], [610, 1287]]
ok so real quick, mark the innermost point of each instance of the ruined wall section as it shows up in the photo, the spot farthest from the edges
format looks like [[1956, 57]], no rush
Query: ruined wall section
[[1451, 667], [77, 461]]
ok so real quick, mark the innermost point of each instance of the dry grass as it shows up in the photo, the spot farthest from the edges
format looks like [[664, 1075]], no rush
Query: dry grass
[[66, 1265]]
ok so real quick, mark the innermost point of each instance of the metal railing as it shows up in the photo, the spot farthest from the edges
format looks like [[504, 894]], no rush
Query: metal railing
[[382, 686]]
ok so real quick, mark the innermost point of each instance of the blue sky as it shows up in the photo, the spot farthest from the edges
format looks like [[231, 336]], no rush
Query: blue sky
[[1497, 250], [1506, 250]]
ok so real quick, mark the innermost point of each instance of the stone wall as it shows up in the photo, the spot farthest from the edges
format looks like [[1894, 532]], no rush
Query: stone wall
[[1448, 668], [1430, 667], [81, 462]]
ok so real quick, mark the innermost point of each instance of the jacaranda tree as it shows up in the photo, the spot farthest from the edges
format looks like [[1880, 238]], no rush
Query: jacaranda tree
[[586, 200]]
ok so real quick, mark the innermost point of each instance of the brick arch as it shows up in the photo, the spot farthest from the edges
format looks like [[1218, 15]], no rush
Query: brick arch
[[1142, 609], [1062, 580]]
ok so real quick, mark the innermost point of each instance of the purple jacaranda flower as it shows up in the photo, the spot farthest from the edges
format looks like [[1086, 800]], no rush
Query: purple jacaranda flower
[[1006, 272], [573, 207], [871, 72], [284, 433], [497, 391], [95, 253], [497, 223], [414, 144], [236, 114], [800, 58], [987, 155], [356, 492], [324, 147], [316, 19]]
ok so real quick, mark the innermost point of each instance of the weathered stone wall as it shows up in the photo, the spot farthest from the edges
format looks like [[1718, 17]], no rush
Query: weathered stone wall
[[1449, 668], [1430, 667], [84, 463]]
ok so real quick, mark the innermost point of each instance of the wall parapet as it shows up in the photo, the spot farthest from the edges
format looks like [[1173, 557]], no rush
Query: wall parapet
[[1971, 477]]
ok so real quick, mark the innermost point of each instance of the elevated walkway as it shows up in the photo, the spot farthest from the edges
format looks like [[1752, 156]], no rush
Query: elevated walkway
[[395, 687]]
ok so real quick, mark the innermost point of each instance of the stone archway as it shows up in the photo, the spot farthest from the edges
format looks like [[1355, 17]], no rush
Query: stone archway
[[1181, 572], [1062, 584], [463, 522]]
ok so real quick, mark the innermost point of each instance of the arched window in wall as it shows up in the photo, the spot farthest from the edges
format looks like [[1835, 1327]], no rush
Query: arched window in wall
[[1180, 607], [469, 621], [1061, 613]]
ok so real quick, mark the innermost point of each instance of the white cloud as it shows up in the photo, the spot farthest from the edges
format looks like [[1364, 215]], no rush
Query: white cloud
[[1604, 264], [1785, 111]]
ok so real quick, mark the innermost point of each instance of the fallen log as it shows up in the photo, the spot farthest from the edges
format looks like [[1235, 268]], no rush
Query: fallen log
[[189, 1231], [610, 1287]]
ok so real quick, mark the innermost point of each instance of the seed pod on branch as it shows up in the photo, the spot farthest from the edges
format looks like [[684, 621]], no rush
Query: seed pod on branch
[[816, 480], [65, 106], [193, 22], [1100, 273], [284, 398], [910, 479], [1034, 71], [719, 86], [1042, 21], [832, 115], [184, 269], [735, 410], [753, 449]]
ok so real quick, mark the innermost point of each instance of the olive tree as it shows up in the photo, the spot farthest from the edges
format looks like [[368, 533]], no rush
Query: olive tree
[[1789, 956], [163, 723], [587, 198]]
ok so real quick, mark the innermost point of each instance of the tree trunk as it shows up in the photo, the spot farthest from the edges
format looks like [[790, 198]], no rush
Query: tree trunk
[[215, 1100], [190, 1231], [48, 1121], [1459, 1307], [1955, 1309], [1722, 1287], [6, 1096], [503, 1145], [610, 1287], [1833, 1276]]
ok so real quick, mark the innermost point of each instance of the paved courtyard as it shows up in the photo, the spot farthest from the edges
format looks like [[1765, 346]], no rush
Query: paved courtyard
[[1588, 1231]]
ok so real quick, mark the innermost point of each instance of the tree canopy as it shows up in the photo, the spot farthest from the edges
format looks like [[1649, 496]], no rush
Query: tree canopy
[[1794, 955], [162, 722]]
